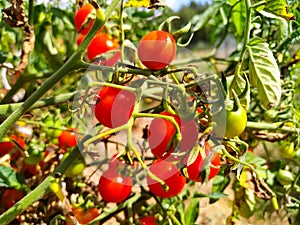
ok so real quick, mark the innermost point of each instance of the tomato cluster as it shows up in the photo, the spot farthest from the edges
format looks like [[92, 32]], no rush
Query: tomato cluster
[[83, 20]]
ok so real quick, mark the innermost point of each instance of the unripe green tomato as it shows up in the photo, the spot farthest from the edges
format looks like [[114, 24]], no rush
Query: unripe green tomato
[[76, 168], [285, 177], [236, 122], [270, 115], [52, 127]]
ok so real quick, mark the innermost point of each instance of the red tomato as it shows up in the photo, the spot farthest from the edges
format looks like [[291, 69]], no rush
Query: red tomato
[[157, 49], [83, 216], [8, 145], [148, 220], [161, 136], [114, 106], [80, 38], [100, 44], [84, 18], [67, 138], [114, 187], [195, 169], [10, 197], [172, 177]]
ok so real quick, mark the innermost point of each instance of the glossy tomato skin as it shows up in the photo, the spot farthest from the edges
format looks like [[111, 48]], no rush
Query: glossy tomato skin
[[10, 197], [83, 216], [147, 220], [172, 177], [157, 49], [161, 136], [81, 18], [100, 44], [67, 139], [7, 145], [194, 170], [114, 106], [113, 187], [236, 122]]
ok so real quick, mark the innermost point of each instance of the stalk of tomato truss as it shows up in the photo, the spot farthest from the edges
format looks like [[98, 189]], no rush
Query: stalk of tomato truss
[[74, 63]]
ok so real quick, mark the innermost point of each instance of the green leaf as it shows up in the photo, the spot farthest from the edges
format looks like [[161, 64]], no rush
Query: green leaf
[[219, 185], [238, 16], [9, 178], [192, 212], [199, 21], [278, 8], [264, 72]]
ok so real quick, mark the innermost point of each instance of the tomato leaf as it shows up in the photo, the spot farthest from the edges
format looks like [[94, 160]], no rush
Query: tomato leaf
[[9, 178], [238, 16], [199, 21], [218, 186], [278, 8], [264, 72], [192, 211]]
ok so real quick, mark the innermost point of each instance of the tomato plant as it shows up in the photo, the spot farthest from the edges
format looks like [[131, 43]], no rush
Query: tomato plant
[[114, 106], [155, 86], [168, 172], [157, 49]]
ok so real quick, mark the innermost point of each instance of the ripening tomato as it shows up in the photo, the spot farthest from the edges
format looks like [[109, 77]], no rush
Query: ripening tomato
[[100, 44], [84, 18], [10, 197], [157, 49], [170, 174], [114, 106], [195, 170], [83, 216], [147, 220], [114, 187], [67, 138], [161, 136]]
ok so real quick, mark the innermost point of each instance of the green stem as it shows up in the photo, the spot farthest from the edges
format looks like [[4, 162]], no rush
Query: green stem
[[272, 126], [74, 63], [245, 42], [7, 109], [234, 159]]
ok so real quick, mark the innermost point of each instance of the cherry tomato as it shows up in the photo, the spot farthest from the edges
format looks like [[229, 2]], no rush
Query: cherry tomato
[[10, 197], [195, 169], [84, 18], [113, 187], [172, 177], [52, 127], [236, 122], [114, 106], [100, 44], [157, 49], [67, 138], [147, 220], [161, 136], [83, 216]]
